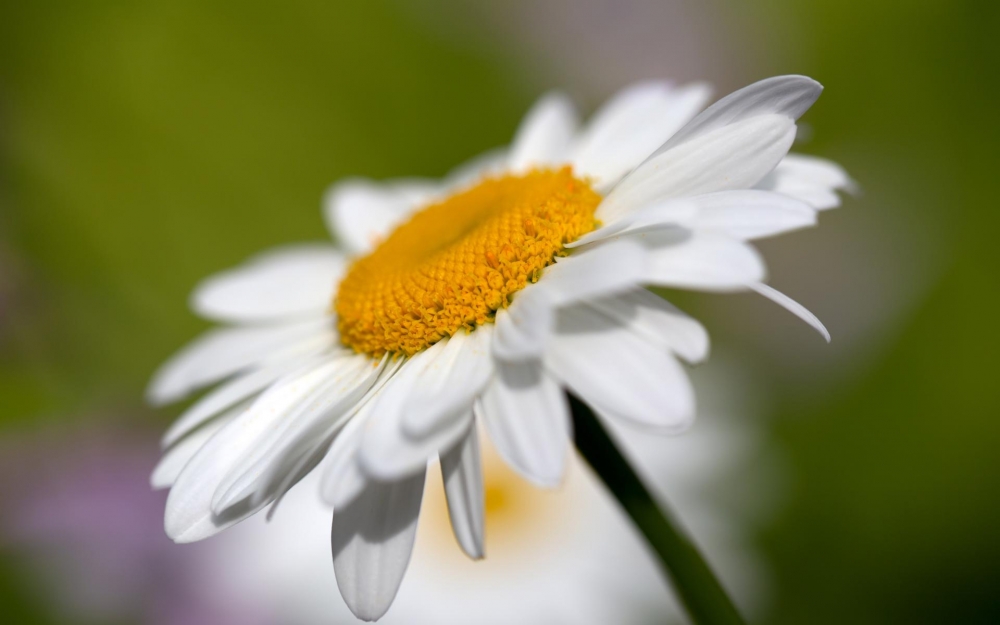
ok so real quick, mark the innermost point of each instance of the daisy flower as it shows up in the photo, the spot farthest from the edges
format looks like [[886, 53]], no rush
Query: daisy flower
[[566, 555], [479, 301]]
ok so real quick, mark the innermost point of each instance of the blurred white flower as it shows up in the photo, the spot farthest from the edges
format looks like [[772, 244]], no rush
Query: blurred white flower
[[477, 300], [81, 524], [553, 556]]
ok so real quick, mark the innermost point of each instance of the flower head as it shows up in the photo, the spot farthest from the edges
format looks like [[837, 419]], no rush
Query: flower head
[[479, 300]]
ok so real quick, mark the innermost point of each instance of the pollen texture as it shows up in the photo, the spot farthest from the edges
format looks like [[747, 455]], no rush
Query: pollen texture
[[455, 262]]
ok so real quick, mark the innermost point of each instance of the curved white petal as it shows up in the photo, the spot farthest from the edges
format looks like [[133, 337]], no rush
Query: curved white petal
[[287, 283], [387, 454], [489, 163], [342, 479], [426, 408], [750, 214], [189, 515], [372, 540], [222, 352], [657, 321], [588, 273], [631, 125], [522, 329], [359, 213], [614, 369], [793, 307], [788, 96], [343, 383], [448, 384], [668, 214], [545, 135], [462, 472], [307, 447], [741, 214], [810, 179], [527, 417], [705, 262], [225, 395], [180, 453], [735, 156]]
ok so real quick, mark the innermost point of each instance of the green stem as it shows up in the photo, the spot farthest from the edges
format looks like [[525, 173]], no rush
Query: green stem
[[697, 587]]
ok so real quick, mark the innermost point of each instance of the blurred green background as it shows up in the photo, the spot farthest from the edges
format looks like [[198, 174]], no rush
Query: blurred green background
[[144, 145]]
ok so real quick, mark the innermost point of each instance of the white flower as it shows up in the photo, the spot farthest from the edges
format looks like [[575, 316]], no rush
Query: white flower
[[477, 300], [568, 555]]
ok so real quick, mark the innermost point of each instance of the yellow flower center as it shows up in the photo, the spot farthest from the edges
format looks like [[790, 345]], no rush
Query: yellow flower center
[[455, 262]]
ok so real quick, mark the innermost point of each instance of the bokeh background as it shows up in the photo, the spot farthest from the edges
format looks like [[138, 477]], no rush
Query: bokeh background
[[144, 145]]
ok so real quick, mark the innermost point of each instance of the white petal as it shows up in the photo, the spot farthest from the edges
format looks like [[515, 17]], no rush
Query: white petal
[[817, 171], [743, 214], [174, 458], [527, 417], [222, 352], [619, 372], [522, 329], [372, 541], [603, 270], [425, 409], [793, 307], [660, 215], [360, 213], [225, 395], [189, 515], [544, 137], [488, 163], [290, 282], [657, 321], [631, 125], [788, 96], [414, 191], [310, 446], [343, 383], [751, 214], [736, 156], [342, 478], [810, 179], [449, 384], [703, 261], [462, 472], [387, 454]]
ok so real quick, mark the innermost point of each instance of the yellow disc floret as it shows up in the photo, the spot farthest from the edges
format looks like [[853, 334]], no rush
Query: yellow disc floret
[[455, 262]]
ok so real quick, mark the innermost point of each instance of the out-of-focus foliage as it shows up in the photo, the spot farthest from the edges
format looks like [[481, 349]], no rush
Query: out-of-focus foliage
[[144, 145], [893, 514]]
